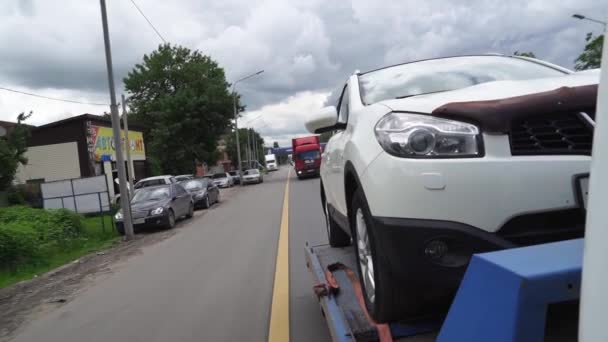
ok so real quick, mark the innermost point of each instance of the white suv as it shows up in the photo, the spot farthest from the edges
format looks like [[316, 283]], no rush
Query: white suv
[[436, 160]]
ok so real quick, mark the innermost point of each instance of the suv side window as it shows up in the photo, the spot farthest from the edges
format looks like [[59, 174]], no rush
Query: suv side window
[[343, 106]]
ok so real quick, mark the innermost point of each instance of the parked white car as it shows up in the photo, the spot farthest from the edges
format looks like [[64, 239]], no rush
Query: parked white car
[[222, 180], [153, 181], [433, 161], [252, 176]]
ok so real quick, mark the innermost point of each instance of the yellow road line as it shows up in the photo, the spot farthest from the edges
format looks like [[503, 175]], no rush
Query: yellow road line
[[279, 314]]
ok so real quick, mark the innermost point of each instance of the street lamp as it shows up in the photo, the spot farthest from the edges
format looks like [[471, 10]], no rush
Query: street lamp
[[236, 125], [582, 17]]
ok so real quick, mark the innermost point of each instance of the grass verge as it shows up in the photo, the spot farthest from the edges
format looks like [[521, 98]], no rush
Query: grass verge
[[95, 238]]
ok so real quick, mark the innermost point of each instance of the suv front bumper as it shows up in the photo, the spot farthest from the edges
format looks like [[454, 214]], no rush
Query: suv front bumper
[[427, 281], [481, 192]]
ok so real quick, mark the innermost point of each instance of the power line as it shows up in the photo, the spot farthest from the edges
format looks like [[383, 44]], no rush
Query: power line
[[148, 20], [53, 98]]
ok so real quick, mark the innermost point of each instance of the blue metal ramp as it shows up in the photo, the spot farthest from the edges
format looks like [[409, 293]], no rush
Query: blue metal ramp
[[504, 295]]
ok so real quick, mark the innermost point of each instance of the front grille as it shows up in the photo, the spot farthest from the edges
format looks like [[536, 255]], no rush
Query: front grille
[[139, 213], [564, 133]]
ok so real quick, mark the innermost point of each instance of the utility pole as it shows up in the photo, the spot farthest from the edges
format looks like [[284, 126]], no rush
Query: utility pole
[[249, 147], [236, 118], [120, 160], [125, 122], [255, 146]]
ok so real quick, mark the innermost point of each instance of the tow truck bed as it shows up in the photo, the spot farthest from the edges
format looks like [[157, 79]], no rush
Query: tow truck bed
[[560, 261], [343, 313]]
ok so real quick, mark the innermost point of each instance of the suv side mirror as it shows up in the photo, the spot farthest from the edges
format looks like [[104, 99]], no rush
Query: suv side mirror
[[323, 121]]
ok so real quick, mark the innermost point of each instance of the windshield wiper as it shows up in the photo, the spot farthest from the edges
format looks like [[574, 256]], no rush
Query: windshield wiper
[[430, 92]]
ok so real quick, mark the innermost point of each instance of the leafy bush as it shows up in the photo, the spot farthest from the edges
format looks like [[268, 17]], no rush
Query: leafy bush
[[18, 245], [25, 233]]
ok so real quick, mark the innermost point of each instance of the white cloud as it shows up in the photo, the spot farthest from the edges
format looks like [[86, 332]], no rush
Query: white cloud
[[284, 120], [305, 46]]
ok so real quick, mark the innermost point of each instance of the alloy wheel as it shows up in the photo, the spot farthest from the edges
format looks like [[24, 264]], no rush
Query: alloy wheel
[[171, 219], [364, 251]]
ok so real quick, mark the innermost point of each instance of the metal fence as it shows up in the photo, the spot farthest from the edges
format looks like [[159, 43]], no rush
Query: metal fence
[[81, 195]]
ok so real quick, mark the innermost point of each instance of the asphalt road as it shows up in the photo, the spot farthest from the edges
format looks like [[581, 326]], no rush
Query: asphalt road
[[213, 281]]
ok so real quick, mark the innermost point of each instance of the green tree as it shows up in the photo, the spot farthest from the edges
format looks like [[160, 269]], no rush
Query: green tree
[[12, 148], [275, 144], [525, 54], [258, 142], [182, 100], [592, 54]]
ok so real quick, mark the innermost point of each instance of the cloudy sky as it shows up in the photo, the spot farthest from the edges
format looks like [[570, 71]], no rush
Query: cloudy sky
[[306, 47]]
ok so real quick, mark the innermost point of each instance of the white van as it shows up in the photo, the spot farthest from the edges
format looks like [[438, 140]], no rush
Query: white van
[[271, 162]]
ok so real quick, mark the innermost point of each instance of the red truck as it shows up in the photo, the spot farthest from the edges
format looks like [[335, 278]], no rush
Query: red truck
[[306, 156]]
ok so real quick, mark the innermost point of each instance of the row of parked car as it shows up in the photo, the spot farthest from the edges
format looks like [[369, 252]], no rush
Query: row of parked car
[[159, 201]]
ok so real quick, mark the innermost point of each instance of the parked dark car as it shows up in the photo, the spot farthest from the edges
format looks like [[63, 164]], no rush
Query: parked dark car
[[157, 206], [204, 192], [235, 177]]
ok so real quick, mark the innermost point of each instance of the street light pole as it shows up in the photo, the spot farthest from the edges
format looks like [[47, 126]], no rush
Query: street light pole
[[582, 17], [120, 161], [236, 118]]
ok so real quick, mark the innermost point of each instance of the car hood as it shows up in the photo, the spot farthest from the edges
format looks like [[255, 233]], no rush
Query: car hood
[[494, 105], [149, 205]]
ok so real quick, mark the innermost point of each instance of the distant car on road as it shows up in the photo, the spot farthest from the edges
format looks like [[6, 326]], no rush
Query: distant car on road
[[183, 177], [204, 192], [252, 176], [153, 181], [236, 178], [223, 180], [157, 206]]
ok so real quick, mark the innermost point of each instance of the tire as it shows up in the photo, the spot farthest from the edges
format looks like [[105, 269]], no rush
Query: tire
[[379, 298], [171, 220], [206, 203], [336, 235], [190, 213]]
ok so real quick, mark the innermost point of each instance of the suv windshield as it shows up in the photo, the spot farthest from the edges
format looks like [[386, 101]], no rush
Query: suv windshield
[[219, 175], [151, 194], [444, 74]]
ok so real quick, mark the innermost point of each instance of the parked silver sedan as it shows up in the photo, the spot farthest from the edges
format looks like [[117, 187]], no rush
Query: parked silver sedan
[[252, 176]]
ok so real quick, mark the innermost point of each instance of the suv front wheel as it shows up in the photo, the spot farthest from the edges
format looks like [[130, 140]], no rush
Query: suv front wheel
[[376, 284]]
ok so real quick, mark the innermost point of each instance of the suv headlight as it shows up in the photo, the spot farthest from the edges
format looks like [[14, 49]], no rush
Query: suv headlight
[[415, 135], [157, 211], [118, 216]]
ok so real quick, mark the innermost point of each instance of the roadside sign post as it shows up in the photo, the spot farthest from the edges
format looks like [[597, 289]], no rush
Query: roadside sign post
[[120, 161]]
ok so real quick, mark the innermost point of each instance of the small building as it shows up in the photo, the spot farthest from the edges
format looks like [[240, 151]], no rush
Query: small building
[[80, 146]]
